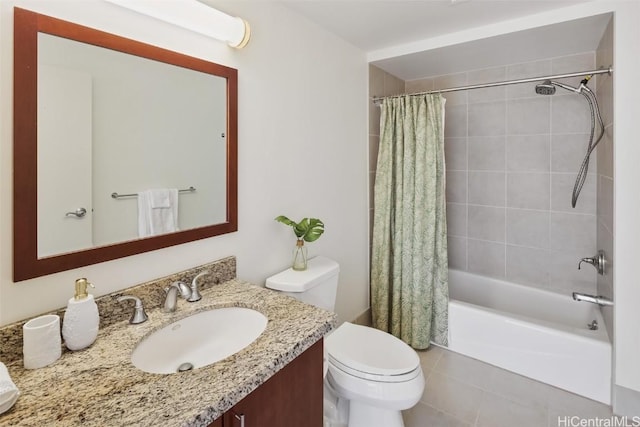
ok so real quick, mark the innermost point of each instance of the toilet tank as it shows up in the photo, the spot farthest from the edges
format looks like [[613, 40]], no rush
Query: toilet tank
[[317, 285]]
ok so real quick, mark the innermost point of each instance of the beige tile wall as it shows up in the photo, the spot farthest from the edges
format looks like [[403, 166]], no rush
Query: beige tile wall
[[512, 157]]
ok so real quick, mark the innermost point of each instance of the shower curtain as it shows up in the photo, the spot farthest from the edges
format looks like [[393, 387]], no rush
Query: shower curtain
[[409, 271]]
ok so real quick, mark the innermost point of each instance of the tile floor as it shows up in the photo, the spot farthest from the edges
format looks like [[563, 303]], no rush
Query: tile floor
[[464, 392]]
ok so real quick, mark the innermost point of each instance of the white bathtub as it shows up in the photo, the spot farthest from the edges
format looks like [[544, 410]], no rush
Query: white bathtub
[[535, 333]]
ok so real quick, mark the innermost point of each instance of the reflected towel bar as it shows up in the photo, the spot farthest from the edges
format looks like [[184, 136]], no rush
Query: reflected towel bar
[[117, 196]]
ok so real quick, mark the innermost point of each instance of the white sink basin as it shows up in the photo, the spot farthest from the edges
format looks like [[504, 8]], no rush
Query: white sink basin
[[198, 340]]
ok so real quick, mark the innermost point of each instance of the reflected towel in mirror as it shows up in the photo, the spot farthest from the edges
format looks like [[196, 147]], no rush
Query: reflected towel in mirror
[[157, 211]]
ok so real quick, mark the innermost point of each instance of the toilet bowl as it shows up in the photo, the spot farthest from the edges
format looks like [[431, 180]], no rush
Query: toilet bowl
[[377, 373], [370, 375]]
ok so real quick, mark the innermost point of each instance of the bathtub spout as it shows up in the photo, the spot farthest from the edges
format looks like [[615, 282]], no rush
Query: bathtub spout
[[600, 300]]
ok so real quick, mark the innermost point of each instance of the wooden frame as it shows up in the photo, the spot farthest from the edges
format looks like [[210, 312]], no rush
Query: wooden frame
[[26, 264]]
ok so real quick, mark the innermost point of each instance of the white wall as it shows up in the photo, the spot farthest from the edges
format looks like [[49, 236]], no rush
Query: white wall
[[626, 228], [302, 152], [627, 174]]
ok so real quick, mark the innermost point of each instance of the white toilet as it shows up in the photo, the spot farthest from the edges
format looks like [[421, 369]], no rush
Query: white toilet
[[370, 375]]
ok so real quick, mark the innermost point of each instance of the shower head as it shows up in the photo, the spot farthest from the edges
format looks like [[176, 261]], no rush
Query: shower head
[[545, 88], [548, 87]]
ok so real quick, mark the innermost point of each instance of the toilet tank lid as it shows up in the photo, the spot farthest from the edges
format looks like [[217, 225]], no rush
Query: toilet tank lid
[[318, 270]]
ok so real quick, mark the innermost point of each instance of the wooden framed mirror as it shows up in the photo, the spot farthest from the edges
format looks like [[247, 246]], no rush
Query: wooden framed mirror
[[191, 144]]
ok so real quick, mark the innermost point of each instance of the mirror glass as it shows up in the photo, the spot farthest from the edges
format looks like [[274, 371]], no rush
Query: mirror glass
[[131, 147], [170, 133]]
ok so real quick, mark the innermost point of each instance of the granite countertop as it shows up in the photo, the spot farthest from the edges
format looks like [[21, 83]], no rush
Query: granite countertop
[[99, 386]]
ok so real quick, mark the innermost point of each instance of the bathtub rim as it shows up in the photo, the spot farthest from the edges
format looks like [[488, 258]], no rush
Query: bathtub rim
[[600, 334]]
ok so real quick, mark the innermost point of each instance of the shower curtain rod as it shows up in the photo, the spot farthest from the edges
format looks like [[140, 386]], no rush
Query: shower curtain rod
[[378, 100]]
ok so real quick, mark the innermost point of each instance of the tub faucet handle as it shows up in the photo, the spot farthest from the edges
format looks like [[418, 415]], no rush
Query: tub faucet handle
[[598, 261], [591, 261]]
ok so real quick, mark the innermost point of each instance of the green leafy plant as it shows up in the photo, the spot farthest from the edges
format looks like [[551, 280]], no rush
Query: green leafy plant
[[308, 229]]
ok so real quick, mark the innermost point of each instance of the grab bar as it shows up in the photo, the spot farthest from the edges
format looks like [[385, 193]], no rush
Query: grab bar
[[117, 196]]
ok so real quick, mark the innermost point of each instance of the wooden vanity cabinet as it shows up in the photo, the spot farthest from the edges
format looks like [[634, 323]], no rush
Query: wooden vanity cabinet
[[290, 398]]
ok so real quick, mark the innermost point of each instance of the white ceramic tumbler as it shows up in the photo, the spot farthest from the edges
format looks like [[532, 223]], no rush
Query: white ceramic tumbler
[[41, 344]]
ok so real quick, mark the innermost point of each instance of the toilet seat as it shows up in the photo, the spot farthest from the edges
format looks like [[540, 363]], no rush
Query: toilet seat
[[375, 377], [371, 354]]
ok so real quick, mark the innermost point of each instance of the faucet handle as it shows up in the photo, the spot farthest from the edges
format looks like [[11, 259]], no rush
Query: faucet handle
[[138, 315], [195, 292], [598, 261], [588, 260]]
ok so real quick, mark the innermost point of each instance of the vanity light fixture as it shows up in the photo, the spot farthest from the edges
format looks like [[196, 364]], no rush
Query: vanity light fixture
[[195, 16]]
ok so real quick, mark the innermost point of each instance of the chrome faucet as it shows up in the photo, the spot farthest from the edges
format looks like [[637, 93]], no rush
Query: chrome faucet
[[171, 300], [195, 293], [600, 300], [138, 315]]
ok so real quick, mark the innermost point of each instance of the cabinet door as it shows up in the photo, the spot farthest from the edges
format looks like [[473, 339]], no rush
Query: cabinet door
[[291, 398], [216, 423]]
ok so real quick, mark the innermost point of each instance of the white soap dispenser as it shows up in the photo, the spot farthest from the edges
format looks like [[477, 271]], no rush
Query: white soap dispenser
[[81, 320]]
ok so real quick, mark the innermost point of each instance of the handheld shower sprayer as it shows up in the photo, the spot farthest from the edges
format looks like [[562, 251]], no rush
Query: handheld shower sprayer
[[545, 88], [548, 87]]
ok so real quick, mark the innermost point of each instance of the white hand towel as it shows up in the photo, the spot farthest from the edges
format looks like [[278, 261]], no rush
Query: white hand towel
[[8, 391], [160, 198], [157, 212]]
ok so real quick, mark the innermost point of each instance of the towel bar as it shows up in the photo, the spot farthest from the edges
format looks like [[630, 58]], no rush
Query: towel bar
[[117, 196]]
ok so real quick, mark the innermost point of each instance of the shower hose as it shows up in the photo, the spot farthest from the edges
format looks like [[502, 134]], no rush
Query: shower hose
[[595, 112]]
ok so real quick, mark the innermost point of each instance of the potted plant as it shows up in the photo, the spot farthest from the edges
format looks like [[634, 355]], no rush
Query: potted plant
[[309, 230]]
